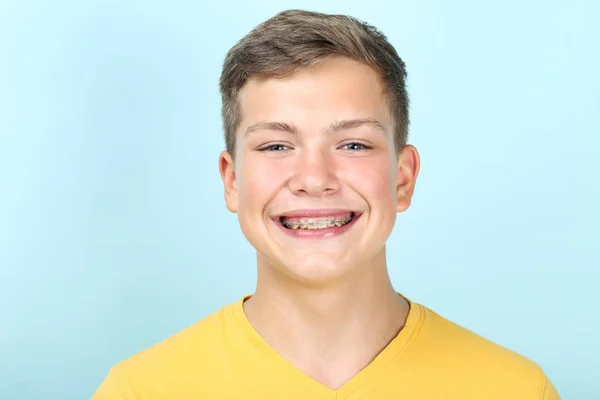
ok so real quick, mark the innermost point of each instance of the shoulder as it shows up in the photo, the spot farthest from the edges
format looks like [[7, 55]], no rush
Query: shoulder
[[199, 342], [446, 334], [470, 359]]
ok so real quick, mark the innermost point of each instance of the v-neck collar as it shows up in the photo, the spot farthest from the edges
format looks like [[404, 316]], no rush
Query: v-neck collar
[[393, 350]]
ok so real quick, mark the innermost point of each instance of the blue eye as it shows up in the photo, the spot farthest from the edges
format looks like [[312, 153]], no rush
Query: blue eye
[[275, 147], [354, 146]]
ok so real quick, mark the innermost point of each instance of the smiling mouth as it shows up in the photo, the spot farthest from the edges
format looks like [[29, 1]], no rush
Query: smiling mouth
[[311, 225], [317, 223]]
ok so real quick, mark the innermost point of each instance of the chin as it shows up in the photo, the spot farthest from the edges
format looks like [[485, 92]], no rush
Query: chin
[[317, 270]]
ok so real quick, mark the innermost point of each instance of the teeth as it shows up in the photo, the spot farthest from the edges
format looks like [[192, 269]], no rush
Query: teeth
[[316, 223]]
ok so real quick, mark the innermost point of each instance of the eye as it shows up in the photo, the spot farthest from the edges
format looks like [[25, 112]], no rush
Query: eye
[[355, 146], [274, 147]]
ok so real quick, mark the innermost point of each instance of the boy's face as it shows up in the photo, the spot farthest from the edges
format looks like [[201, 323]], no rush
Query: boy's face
[[316, 181]]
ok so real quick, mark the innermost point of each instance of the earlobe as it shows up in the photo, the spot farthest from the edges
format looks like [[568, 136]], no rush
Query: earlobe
[[227, 171], [409, 164]]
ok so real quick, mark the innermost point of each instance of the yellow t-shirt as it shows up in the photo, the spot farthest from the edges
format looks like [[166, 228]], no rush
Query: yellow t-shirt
[[223, 357]]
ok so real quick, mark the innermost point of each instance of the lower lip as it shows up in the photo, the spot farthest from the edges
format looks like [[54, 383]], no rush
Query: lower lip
[[326, 233]]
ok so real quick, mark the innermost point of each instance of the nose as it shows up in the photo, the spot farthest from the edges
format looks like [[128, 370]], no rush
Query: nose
[[314, 174]]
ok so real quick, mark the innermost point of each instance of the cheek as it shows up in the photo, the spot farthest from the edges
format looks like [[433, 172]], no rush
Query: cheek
[[259, 182], [375, 178]]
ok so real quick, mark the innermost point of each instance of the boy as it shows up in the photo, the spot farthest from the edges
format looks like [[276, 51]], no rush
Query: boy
[[315, 113]]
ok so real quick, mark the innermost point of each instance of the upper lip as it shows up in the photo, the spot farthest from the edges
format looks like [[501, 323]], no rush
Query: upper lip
[[314, 213]]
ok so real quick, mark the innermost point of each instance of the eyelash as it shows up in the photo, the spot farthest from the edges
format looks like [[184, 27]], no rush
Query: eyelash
[[364, 146], [270, 148]]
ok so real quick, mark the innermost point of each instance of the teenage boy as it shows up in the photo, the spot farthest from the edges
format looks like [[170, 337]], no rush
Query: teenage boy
[[317, 166]]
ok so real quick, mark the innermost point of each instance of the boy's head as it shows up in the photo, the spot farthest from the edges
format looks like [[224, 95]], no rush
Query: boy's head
[[316, 115], [296, 40]]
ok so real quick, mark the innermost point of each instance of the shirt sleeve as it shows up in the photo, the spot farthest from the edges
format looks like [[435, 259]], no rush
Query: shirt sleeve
[[109, 389], [548, 390]]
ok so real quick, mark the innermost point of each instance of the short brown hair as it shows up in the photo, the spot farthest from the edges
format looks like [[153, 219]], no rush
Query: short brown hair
[[296, 39]]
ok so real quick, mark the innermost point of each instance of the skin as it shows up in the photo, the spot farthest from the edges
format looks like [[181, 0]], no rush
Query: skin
[[325, 305]]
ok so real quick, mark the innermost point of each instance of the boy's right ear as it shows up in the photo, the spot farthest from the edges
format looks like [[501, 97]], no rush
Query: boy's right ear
[[227, 170]]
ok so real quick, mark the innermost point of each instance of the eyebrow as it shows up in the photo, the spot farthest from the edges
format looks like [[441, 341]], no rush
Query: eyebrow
[[333, 128], [350, 124]]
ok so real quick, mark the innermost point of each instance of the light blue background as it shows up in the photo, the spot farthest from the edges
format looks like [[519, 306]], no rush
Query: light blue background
[[113, 231]]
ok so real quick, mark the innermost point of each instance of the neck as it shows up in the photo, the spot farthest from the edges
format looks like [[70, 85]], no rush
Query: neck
[[344, 324]]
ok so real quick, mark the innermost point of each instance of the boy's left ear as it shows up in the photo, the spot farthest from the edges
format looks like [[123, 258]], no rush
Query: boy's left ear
[[227, 170], [409, 163]]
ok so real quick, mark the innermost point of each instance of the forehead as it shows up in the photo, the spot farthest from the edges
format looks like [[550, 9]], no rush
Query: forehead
[[337, 89]]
